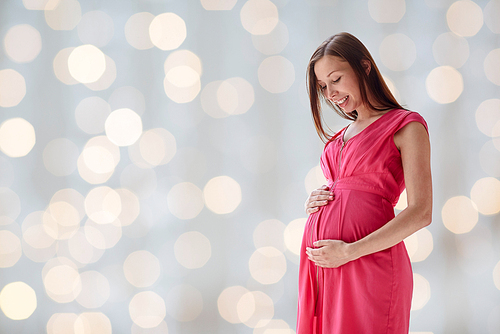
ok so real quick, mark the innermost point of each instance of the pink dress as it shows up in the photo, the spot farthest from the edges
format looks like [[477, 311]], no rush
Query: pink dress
[[373, 293]]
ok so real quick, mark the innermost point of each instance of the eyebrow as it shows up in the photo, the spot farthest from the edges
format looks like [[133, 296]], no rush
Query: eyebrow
[[331, 73]]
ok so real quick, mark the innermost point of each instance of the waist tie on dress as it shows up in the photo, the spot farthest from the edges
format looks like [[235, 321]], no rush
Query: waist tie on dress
[[352, 183]]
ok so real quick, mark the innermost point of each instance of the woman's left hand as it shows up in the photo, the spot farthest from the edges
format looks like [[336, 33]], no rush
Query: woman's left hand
[[330, 253]]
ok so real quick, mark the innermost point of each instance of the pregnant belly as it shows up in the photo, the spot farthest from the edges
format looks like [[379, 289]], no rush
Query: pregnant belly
[[352, 215]]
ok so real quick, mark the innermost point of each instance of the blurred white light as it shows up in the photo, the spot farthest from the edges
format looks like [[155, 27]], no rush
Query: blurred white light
[[314, 179], [192, 250], [465, 18], [82, 250], [176, 83], [444, 84], [18, 300], [459, 214], [185, 200], [40, 4], [147, 309], [402, 201], [228, 301], [419, 245], [86, 63], [274, 42], [103, 236], [12, 88], [421, 292], [103, 205], [106, 79], [10, 204], [63, 16], [137, 30], [392, 87], [91, 113], [275, 326], [92, 323], [491, 15], [167, 31], [209, 100], [10, 249], [496, 275], [17, 137], [398, 52], [222, 194], [267, 265], [235, 96], [123, 127], [130, 206], [99, 155], [62, 323], [488, 117], [162, 328], [450, 49], [141, 268], [62, 283], [492, 66], [270, 233], [387, 11], [218, 4], [259, 17], [61, 69], [157, 146], [293, 235], [22, 43], [485, 193], [255, 309], [182, 76], [276, 74]]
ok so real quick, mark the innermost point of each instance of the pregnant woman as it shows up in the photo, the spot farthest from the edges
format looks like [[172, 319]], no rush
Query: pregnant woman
[[355, 274]]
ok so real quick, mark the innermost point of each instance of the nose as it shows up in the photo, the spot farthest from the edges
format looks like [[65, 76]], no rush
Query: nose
[[330, 93]]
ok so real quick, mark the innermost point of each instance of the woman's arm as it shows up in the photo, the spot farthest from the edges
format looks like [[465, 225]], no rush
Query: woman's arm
[[413, 142]]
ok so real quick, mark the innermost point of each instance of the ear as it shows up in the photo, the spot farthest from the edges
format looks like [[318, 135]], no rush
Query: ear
[[367, 65]]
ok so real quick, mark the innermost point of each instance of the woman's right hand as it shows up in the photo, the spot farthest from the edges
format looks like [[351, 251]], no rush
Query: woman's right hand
[[317, 198]]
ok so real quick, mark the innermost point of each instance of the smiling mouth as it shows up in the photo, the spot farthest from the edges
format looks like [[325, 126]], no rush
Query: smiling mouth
[[341, 101]]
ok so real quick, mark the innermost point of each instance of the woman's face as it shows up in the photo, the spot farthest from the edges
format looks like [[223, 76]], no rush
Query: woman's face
[[338, 83]]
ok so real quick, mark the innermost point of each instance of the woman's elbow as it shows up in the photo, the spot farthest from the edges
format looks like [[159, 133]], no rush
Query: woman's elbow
[[426, 217]]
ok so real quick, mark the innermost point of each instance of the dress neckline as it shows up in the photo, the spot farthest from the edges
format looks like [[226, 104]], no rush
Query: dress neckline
[[369, 125]]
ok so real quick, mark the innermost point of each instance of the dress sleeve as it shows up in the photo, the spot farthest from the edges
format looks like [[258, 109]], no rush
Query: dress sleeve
[[412, 117]]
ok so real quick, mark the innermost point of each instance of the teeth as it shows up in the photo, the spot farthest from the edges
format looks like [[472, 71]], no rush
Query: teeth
[[341, 101]]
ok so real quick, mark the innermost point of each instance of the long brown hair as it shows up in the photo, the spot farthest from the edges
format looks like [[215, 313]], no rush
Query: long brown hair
[[348, 48]]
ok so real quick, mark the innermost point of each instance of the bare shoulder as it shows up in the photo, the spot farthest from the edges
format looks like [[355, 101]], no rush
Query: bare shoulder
[[411, 135]]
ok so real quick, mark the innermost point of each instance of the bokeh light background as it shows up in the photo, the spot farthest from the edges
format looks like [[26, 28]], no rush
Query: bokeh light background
[[156, 155]]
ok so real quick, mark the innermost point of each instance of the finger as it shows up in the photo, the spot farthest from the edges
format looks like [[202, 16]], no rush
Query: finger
[[322, 197], [321, 243], [314, 204], [312, 210], [320, 192]]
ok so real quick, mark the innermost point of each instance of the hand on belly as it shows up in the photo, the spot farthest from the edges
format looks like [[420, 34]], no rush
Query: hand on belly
[[329, 253]]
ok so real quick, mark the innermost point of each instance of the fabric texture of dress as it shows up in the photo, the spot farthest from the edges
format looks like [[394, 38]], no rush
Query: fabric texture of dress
[[373, 293]]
